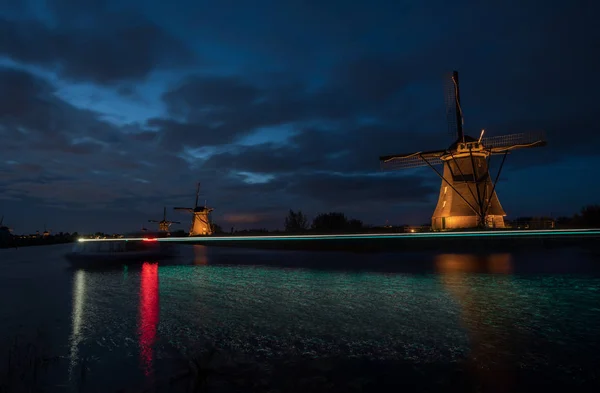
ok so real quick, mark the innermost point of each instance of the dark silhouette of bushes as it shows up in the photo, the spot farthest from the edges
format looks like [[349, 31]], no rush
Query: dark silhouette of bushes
[[588, 217], [335, 222], [296, 222]]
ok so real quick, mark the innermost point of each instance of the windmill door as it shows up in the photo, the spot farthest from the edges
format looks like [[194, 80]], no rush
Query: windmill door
[[443, 222]]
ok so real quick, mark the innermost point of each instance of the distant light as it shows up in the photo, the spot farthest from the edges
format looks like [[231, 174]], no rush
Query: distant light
[[147, 239], [80, 239], [412, 230]]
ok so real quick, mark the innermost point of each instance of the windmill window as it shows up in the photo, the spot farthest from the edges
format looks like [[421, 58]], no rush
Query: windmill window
[[445, 190], [444, 204]]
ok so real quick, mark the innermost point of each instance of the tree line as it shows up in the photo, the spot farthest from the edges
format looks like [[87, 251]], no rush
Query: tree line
[[8, 240], [297, 222], [588, 217], [337, 222]]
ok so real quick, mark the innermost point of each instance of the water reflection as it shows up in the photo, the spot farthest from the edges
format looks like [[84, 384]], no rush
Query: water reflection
[[478, 309], [76, 319], [486, 314], [85, 303], [149, 313], [453, 264], [200, 256]]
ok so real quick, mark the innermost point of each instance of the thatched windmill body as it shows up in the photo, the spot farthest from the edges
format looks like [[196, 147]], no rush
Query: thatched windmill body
[[467, 197], [200, 217]]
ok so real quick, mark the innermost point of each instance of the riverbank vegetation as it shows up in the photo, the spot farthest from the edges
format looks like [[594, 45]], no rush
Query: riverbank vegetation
[[16, 241], [296, 222]]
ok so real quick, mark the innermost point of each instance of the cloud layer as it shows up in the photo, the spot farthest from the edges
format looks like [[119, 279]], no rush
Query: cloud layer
[[110, 110]]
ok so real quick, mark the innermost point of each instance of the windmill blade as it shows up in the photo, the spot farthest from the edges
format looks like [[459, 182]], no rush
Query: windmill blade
[[153, 221], [412, 160], [164, 213], [174, 222], [184, 208], [453, 109], [197, 195], [503, 143]]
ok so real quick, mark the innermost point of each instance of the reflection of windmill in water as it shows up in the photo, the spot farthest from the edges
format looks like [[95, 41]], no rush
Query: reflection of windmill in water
[[489, 314], [467, 196], [200, 257], [164, 224], [201, 217]]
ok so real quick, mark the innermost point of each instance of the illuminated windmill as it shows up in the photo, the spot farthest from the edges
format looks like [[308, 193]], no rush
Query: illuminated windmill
[[164, 225], [200, 220], [467, 196]]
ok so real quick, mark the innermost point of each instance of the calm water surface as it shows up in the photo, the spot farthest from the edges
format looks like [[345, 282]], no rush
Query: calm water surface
[[501, 317]]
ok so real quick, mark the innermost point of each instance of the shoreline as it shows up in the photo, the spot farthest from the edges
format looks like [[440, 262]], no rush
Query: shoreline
[[439, 242], [21, 243]]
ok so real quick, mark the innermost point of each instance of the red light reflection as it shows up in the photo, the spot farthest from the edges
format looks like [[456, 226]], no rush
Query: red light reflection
[[149, 312]]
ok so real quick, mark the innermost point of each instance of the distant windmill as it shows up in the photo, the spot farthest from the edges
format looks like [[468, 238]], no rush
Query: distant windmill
[[164, 225], [5, 234], [200, 220], [467, 196], [4, 228]]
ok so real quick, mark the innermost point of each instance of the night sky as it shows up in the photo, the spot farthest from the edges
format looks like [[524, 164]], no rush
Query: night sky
[[110, 110]]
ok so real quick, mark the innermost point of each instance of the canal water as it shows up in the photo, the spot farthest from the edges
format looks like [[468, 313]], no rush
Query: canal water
[[498, 322]]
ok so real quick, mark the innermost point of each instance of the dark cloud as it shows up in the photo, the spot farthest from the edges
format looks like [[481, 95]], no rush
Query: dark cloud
[[109, 48], [343, 191], [57, 152], [219, 110], [342, 151], [197, 96], [349, 81], [175, 134], [33, 117], [208, 110]]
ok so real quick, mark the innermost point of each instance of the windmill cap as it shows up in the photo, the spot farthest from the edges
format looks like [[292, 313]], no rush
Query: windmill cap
[[467, 138]]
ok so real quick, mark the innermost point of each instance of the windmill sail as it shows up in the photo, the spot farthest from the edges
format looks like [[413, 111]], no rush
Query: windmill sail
[[495, 145], [201, 224], [197, 195], [412, 160], [164, 224], [501, 143], [454, 113], [467, 197]]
